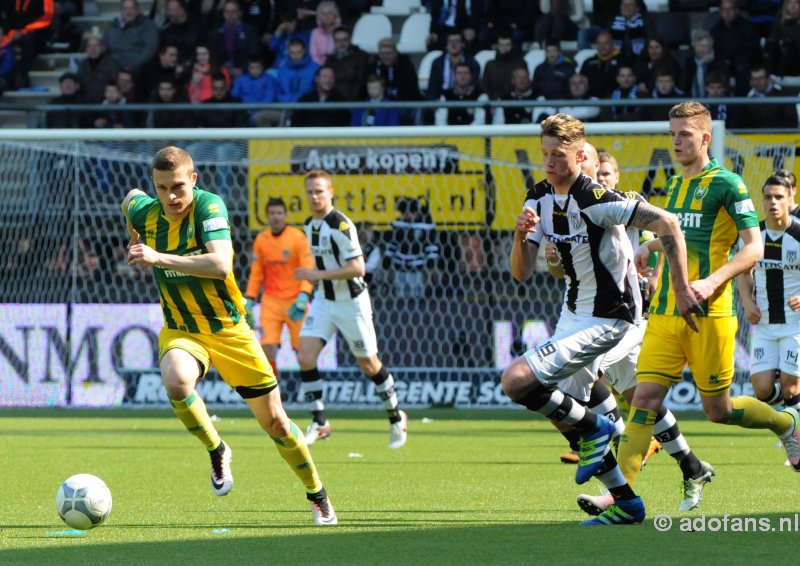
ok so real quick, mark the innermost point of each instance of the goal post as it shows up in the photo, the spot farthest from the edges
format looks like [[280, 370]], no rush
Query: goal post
[[84, 324]]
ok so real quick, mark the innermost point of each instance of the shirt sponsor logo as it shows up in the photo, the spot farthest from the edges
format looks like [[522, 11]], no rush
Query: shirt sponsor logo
[[689, 219], [598, 192], [218, 223], [343, 226], [744, 206]]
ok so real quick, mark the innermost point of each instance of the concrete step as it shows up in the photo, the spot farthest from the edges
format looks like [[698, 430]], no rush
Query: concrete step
[[93, 24], [55, 61], [14, 119], [25, 97], [47, 79]]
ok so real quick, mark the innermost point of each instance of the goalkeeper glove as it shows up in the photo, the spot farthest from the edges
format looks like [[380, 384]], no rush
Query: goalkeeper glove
[[248, 312], [298, 310]]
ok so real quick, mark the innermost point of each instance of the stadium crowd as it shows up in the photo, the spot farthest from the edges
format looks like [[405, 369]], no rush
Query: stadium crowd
[[290, 51]]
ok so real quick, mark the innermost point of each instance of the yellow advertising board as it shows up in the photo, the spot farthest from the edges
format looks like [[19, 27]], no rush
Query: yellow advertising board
[[370, 176], [466, 183]]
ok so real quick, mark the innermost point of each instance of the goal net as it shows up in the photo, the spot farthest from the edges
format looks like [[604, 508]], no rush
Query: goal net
[[448, 314]]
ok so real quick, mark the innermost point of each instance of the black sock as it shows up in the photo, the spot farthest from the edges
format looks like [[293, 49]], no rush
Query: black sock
[[690, 466]]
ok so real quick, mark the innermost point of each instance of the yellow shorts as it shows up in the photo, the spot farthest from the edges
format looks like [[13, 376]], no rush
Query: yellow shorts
[[274, 314], [234, 352], [669, 345]]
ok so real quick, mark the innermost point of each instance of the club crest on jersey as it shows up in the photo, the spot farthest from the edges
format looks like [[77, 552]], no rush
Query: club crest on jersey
[[343, 226], [598, 192], [575, 219], [700, 193], [791, 257], [190, 231], [285, 254], [324, 241]]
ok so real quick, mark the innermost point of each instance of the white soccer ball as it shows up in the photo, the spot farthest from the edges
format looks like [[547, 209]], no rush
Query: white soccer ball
[[83, 501]]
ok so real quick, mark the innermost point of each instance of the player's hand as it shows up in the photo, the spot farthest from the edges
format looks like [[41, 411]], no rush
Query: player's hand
[[526, 221], [650, 287], [142, 254], [794, 302], [298, 310], [687, 304], [248, 312], [702, 288], [307, 274], [641, 259], [754, 313], [551, 254]]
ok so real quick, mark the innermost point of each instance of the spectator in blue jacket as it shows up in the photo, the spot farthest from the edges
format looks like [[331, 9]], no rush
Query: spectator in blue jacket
[[376, 116], [551, 78], [256, 86], [296, 77], [284, 33]]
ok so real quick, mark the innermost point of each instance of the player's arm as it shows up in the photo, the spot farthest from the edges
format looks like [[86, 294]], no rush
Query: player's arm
[[524, 251], [256, 278], [743, 260], [125, 205], [746, 284], [306, 261], [352, 268], [672, 243], [216, 264]]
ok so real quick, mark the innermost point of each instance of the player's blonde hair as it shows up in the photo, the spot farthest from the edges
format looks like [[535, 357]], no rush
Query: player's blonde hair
[[566, 128], [170, 158], [319, 174], [696, 112], [605, 157]]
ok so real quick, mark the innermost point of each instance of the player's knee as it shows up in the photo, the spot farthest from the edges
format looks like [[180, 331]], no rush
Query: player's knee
[[306, 359], [177, 387], [516, 381]]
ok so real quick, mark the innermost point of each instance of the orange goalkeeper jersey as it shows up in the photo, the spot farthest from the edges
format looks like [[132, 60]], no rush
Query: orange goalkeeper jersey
[[276, 259]]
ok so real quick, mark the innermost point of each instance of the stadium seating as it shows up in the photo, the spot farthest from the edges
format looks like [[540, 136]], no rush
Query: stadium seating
[[424, 70], [534, 58], [369, 30], [674, 28], [398, 7], [483, 57], [413, 33], [582, 56]]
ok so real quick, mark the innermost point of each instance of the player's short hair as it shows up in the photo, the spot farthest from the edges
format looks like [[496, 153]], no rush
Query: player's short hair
[[566, 128], [786, 174], [605, 157], [319, 174], [376, 79], [273, 201], [170, 158], [779, 180], [694, 111]]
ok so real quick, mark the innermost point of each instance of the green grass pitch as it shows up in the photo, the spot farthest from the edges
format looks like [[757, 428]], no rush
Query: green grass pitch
[[470, 487]]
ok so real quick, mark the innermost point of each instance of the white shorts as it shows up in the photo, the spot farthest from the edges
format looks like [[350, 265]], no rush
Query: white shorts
[[353, 318], [575, 351], [775, 346], [619, 364]]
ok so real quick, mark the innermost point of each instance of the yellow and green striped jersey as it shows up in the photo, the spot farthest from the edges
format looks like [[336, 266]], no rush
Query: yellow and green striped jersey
[[194, 304], [712, 207]]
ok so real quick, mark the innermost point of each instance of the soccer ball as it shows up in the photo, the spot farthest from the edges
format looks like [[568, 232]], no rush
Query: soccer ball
[[83, 501]]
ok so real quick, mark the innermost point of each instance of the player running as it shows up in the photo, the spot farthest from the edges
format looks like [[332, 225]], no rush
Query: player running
[[184, 235], [587, 224], [714, 207], [341, 302]]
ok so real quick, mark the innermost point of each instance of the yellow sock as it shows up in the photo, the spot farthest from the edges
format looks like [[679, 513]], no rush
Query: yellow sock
[[634, 442], [749, 412], [193, 414], [622, 404], [294, 450]]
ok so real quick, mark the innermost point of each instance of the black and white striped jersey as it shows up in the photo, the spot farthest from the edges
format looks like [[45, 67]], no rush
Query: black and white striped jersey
[[777, 274], [334, 242], [588, 226]]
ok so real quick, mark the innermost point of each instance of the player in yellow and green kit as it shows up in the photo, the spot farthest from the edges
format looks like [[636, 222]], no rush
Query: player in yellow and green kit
[[714, 209], [184, 235]]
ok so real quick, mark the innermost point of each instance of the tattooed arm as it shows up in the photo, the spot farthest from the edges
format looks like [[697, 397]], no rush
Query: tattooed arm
[[670, 239]]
